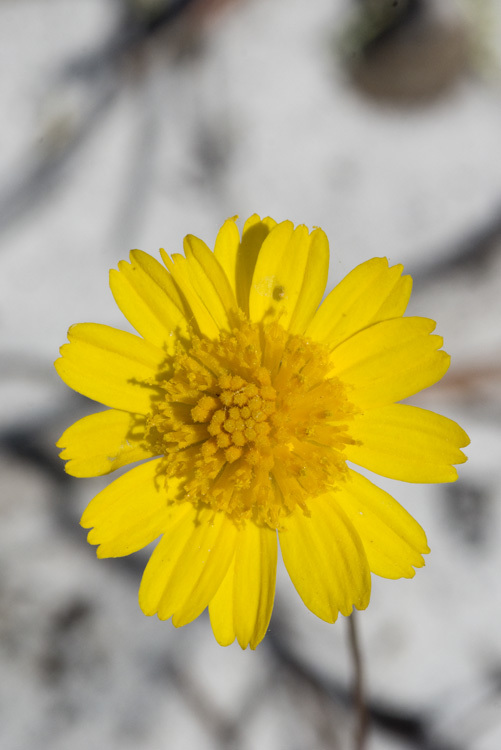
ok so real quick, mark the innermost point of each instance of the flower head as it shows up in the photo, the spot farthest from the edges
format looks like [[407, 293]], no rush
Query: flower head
[[250, 399]]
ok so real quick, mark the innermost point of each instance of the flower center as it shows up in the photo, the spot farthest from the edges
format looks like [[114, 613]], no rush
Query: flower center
[[252, 423], [237, 418]]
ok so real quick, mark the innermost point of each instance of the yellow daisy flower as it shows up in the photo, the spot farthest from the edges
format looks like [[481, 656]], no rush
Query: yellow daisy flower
[[249, 399]]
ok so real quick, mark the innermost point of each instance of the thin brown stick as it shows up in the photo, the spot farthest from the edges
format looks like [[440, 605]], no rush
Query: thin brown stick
[[362, 725]]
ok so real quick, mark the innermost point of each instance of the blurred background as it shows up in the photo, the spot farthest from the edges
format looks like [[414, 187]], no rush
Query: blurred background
[[130, 123]]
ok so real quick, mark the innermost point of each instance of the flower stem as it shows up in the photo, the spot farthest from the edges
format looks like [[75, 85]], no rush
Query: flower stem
[[360, 737]]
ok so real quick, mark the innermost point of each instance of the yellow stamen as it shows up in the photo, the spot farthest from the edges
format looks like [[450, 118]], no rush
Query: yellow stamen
[[253, 423]]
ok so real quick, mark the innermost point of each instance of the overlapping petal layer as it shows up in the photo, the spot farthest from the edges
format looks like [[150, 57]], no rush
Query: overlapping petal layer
[[242, 606], [370, 293], [407, 443], [130, 512], [146, 294], [188, 564], [393, 541], [390, 361], [289, 292], [113, 367], [326, 560], [103, 442], [200, 316], [210, 281], [238, 257]]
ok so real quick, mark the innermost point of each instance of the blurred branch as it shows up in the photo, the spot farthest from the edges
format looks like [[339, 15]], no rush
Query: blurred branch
[[415, 728], [133, 31], [42, 170], [469, 253], [224, 730], [29, 444]]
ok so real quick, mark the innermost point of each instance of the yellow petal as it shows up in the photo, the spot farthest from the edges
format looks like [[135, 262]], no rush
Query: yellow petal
[[325, 559], [389, 361], [102, 442], [130, 512], [370, 293], [407, 443], [393, 541], [146, 294], [210, 281], [254, 234], [243, 604], [289, 276], [188, 565], [166, 555], [222, 610], [199, 315], [314, 282], [226, 250], [111, 366]]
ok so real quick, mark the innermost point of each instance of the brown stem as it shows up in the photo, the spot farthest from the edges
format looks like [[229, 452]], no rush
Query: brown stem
[[360, 738]]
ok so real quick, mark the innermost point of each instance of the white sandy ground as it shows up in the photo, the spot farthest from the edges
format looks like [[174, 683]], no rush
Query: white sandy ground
[[81, 666]]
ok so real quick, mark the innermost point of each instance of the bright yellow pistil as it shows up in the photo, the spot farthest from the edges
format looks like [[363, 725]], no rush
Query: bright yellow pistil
[[251, 400]]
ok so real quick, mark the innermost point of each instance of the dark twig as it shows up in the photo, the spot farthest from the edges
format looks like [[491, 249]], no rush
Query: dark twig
[[358, 684], [413, 728]]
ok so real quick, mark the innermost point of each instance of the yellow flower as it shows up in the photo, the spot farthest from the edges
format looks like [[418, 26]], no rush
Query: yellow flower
[[250, 399]]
